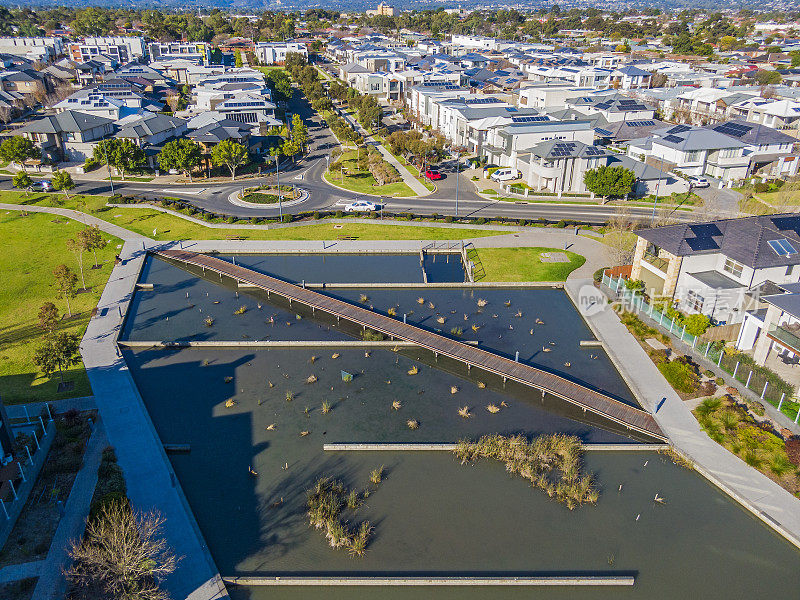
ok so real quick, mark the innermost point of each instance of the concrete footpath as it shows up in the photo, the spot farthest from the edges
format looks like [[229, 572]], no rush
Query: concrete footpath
[[755, 491], [86, 219], [148, 474]]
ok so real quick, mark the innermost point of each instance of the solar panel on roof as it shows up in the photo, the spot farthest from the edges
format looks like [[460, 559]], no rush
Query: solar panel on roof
[[787, 224], [640, 123], [674, 139], [782, 247], [679, 129], [702, 243], [705, 230], [732, 129], [532, 119]]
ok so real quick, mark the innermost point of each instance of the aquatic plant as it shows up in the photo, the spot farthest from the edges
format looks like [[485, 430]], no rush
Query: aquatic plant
[[464, 412], [326, 407], [457, 331], [368, 335], [311, 379], [228, 379], [518, 314], [420, 300], [440, 320], [241, 310], [208, 321], [325, 502], [289, 396], [475, 327], [304, 433], [376, 475], [271, 427], [453, 389], [363, 298], [413, 370], [230, 403], [392, 311], [550, 462], [313, 359], [335, 355], [412, 424], [482, 302], [492, 408], [507, 302], [431, 305], [481, 385], [396, 405], [677, 457]]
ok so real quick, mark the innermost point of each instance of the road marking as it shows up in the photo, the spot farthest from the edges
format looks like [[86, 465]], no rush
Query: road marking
[[192, 192]]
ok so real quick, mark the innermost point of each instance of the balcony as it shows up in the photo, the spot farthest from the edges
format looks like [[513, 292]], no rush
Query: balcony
[[659, 263], [786, 335]]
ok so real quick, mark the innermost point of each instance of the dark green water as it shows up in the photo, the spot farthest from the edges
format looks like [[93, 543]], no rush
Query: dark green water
[[431, 515]]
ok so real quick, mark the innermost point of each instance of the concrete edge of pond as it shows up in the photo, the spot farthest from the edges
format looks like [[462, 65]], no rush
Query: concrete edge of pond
[[367, 447], [585, 580]]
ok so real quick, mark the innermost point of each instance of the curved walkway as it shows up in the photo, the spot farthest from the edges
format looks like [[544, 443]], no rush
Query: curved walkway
[[86, 219]]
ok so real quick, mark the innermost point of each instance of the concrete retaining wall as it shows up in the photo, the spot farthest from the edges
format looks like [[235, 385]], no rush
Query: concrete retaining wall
[[587, 580]]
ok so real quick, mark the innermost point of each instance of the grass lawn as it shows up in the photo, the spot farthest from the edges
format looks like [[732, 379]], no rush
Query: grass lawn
[[32, 247], [170, 227], [753, 206], [782, 197], [411, 168], [524, 264], [363, 182]]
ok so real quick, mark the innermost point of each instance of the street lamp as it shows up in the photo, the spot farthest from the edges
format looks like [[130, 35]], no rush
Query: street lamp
[[108, 164], [658, 184], [458, 157], [278, 178]]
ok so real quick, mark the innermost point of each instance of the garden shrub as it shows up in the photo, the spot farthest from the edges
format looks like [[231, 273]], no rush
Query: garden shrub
[[679, 375], [696, 324], [761, 187]]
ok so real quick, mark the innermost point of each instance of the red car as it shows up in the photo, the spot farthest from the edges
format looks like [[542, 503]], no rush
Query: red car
[[432, 174]]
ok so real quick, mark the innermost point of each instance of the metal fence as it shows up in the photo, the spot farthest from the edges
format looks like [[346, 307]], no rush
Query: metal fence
[[713, 352]]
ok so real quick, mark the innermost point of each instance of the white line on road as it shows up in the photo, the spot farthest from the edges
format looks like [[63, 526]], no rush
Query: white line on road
[[177, 190]]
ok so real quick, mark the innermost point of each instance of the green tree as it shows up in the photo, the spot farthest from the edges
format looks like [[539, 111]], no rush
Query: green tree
[[280, 84], [59, 351], [78, 246], [765, 77], [623, 48], [18, 149], [92, 239], [609, 181], [299, 132], [182, 154], [122, 154], [48, 317], [22, 181], [727, 42], [230, 154], [237, 59], [66, 282], [62, 182]]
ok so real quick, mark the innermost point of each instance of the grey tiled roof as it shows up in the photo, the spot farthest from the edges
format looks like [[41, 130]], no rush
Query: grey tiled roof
[[745, 240]]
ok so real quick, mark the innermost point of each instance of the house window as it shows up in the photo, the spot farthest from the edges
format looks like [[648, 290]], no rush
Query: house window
[[789, 270], [694, 301], [729, 153], [693, 156], [733, 267]]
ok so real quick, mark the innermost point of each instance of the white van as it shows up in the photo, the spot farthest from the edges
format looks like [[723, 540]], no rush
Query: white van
[[505, 174]]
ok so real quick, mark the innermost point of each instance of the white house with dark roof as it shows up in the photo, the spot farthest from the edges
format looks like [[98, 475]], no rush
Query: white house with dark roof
[[613, 108], [770, 152], [708, 267], [67, 136], [772, 329], [693, 151]]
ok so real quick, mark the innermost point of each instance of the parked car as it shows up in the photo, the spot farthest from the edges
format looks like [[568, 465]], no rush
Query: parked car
[[433, 174], [697, 181], [505, 174], [42, 186], [361, 206]]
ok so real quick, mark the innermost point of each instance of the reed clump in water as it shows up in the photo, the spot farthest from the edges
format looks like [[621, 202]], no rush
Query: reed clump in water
[[208, 321], [325, 503], [551, 463]]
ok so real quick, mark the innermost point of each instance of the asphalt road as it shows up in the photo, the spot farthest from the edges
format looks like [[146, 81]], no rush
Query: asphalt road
[[307, 174]]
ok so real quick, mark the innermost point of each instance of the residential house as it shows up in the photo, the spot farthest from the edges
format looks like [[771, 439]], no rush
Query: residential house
[[274, 53], [67, 136], [122, 49], [693, 151], [708, 267], [42, 49], [771, 152], [773, 324], [195, 52]]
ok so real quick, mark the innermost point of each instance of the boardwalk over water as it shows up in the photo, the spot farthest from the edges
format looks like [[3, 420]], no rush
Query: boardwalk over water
[[570, 391]]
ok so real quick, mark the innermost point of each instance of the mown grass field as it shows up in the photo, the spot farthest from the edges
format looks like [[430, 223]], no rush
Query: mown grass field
[[33, 246], [524, 264]]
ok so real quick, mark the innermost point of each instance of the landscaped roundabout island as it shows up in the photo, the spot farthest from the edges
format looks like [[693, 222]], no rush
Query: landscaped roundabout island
[[317, 445]]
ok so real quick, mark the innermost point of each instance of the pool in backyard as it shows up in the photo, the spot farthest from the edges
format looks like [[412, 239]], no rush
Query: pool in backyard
[[258, 394]]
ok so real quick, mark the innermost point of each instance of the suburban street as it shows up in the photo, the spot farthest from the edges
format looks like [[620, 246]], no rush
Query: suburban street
[[307, 174]]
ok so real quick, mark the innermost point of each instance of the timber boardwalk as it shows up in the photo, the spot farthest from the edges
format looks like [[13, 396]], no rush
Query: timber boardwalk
[[579, 395]]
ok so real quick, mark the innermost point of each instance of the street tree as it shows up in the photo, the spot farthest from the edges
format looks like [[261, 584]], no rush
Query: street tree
[[182, 154], [122, 555], [280, 84], [609, 181], [59, 351], [62, 182], [22, 181], [48, 317], [18, 149], [122, 154], [66, 282], [230, 154]]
